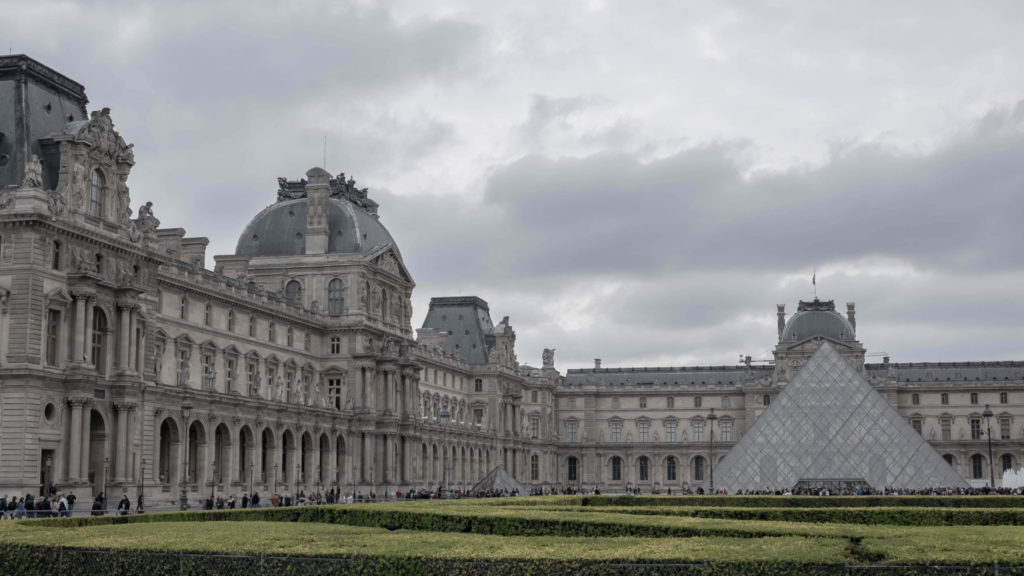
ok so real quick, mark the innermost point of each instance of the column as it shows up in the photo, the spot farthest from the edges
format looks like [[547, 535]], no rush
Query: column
[[360, 383], [121, 458], [233, 455], [332, 461], [78, 350], [123, 346], [83, 474], [133, 344], [75, 454], [87, 354], [316, 482], [365, 456]]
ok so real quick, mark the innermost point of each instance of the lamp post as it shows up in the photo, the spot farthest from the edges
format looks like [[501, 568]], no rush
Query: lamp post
[[106, 469], [252, 471], [186, 412], [445, 417], [274, 491], [142, 486], [213, 473], [991, 467], [711, 461]]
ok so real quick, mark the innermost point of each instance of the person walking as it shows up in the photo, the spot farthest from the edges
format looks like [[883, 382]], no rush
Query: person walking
[[124, 505]]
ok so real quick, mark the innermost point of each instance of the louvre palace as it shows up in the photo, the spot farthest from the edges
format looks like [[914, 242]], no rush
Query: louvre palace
[[128, 366]]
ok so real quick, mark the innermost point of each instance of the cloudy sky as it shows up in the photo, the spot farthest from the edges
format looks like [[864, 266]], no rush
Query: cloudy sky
[[637, 181]]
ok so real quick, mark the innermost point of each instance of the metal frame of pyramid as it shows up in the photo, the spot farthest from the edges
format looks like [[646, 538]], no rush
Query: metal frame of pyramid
[[498, 479], [829, 423]]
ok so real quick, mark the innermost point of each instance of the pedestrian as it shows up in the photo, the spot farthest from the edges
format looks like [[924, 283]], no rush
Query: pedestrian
[[62, 506], [124, 505], [255, 499], [71, 503], [245, 500]]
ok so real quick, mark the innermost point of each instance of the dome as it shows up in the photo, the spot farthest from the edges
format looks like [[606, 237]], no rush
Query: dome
[[280, 229], [818, 318]]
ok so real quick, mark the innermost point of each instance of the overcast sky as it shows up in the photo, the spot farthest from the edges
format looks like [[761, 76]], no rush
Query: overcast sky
[[636, 181]]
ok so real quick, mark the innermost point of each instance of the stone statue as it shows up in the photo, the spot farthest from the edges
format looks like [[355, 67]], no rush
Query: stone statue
[[280, 390], [124, 211], [33, 173], [315, 307], [77, 186], [549, 357], [147, 222], [56, 202], [299, 395]]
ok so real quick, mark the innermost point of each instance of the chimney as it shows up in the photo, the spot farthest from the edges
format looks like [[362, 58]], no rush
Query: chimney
[[850, 315], [782, 318], [317, 209], [597, 363]]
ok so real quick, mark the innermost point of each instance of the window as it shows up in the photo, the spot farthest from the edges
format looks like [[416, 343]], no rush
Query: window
[[1004, 428], [271, 332], [698, 431], [230, 375], [726, 430], [334, 392], [96, 198], [231, 320], [725, 401], [642, 430], [335, 297], [306, 342], [572, 431], [643, 402], [766, 400], [670, 431], [573, 465], [572, 403], [616, 468], [183, 371], [697, 402], [293, 292], [1003, 399], [670, 402], [945, 398], [290, 336], [208, 375], [478, 385], [916, 425], [976, 429], [52, 336], [534, 468], [698, 468], [948, 458], [616, 431], [1007, 462], [383, 304], [206, 314], [915, 399], [947, 429], [55, 260], [533, 395], [335, 345], [250, 378], [670, 469], [974, 397], [615, 404], [976, 466], [644, 468], [534, 427], [183, 310], [99, 333], [252, 326]]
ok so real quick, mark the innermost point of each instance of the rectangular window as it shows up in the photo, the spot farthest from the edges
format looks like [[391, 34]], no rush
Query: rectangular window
[[335, 345], [974, 397], [252, 326], [534, 428], [975, 429], [916, 425], [615, 403], [478, 417], [725, 401], [572, 431], [726, 431], [229, 373], [334, 392], [572, 403], [670, 402], [478, 385], [616, 431], [231, 320], [915, 399], [533, 395], [698, 431], [766, 400], [643, 402], [945, 398], [947, 429], [697, 402], [670, 431], [1004, 428], [183, 369], [1003, 398], [250, 378], [208, 375], [52, 336], [642, 429], [55, 262], [534, 468]]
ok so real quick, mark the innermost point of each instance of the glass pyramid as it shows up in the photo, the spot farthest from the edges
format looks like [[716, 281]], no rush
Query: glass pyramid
[[828, 426]]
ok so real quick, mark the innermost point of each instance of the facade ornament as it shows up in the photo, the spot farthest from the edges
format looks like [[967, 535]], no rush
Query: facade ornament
[[33, 174], [6, 198], [77, 186], [147, 222], [315, 307], [281, 392], [299, 395], [549, 357], [5, 296], [124, 210]]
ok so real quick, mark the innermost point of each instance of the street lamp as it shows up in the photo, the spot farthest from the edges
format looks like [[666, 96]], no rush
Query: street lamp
[[445, 418], [252, 470], [274, 491], [991, 467], [213, 474], [142, 487], [106, 470], [711, 462], [186, 412]]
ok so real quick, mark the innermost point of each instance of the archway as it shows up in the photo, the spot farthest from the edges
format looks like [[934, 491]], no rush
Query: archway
[[168, 469], [98, 460]]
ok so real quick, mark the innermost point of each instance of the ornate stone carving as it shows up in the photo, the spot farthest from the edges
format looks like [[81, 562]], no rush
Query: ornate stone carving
[[6, 198], [33, 173], [55, 200]]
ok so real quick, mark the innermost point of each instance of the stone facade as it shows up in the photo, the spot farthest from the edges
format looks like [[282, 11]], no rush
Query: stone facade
[[296, 360]]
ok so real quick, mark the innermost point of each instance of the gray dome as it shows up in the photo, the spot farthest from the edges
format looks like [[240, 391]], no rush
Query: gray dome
[[809, 323], [280, 230]]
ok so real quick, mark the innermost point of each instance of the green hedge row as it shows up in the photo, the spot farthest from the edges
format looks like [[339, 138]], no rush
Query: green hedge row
[[871, 516], [800, 501], [44, 561]]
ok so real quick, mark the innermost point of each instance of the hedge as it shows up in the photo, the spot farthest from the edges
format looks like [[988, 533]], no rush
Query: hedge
[[798, 501]]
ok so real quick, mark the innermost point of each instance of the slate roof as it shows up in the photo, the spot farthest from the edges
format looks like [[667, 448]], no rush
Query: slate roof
[[467, 321]]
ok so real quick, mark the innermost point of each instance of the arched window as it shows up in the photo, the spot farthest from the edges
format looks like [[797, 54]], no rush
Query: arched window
[[573, 472], [698, 468], [99, 183], [644, 467], [293, 292], [335, 297], [670, 469], [99, 334], [616, 468], [977, 468], [1007, 462]]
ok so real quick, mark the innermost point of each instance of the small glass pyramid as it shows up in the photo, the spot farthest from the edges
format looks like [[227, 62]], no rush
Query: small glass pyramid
[[830, 427]]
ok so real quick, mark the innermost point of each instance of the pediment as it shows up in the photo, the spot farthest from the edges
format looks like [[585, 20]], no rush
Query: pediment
[[388, 260]]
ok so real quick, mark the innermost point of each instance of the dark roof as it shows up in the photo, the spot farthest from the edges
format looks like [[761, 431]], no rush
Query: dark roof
[[467, 321], [950, 371], [671, 376], [817, 318]]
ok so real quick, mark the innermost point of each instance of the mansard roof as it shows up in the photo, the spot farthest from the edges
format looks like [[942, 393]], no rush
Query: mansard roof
[[467, 322]]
